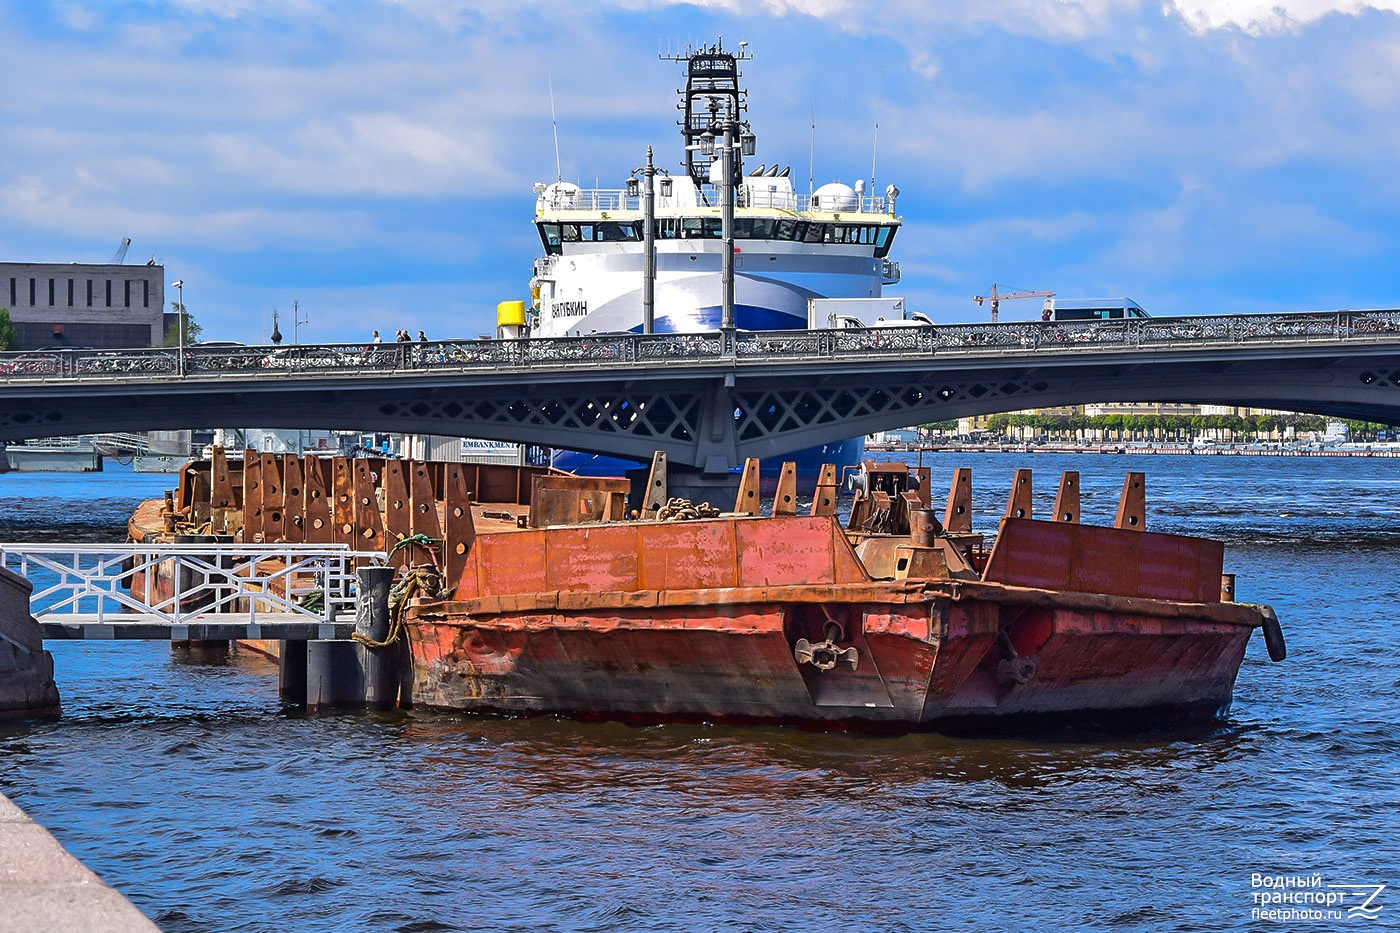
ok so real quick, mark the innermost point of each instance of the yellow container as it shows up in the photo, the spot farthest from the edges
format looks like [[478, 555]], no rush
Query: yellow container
[[510, 314]]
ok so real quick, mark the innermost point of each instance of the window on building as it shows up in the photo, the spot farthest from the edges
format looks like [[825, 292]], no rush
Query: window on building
[[146, 293], [109, 293], [13, 301], [32, 300], [70, 293], [51, 294], [89, 291], [126, 293]]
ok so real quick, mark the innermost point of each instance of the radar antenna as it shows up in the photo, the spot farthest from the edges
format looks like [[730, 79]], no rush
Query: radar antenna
[[711, 87]]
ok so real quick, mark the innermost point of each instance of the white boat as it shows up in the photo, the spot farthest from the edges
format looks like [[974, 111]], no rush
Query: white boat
[[831, 242]]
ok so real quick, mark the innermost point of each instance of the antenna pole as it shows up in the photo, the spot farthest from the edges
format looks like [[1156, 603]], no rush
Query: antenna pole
[[874, 151], [554, 119], [812, 154]]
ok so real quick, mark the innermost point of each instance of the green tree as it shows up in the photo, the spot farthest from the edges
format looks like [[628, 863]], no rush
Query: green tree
[[9, 339], [172, 329]]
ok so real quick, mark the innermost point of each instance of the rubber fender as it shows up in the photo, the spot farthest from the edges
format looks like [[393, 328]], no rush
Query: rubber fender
[[1273, 635]]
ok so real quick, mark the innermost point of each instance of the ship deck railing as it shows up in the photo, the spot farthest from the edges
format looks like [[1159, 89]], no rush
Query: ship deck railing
[[753, 193]]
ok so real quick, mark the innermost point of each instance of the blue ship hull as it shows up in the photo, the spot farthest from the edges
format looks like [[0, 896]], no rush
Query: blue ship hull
[[843, 454]]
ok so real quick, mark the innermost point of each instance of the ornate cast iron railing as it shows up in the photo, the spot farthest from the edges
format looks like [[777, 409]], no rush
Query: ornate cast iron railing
[[1345, 327]]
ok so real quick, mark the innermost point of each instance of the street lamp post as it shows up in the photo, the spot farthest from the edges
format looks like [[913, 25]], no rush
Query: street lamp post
[[648, 173], [180, 324], [735, 142]]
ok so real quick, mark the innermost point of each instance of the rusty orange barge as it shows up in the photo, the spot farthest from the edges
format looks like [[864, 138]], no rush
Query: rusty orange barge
[[560, 601]]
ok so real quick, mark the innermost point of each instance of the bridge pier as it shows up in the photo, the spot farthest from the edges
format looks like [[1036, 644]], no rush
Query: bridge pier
[[27, 686]]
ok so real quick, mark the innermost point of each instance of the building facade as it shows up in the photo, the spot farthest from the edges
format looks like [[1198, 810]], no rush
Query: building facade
[[80, 305]]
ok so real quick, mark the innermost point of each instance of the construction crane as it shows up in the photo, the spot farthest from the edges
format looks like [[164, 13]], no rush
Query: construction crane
[[996, 298], [120, 256]]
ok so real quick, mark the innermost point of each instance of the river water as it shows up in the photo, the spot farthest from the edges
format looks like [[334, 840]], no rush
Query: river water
[[183, 782]]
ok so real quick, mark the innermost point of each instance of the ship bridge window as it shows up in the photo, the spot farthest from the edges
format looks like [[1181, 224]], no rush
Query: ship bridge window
[[614, 232], [553, 237], [790, 230], [755, 228], [884, 236], [693, 228]]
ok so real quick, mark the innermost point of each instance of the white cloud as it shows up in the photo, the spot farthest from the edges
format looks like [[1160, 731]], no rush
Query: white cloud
[[1270, 16], [32, 201]]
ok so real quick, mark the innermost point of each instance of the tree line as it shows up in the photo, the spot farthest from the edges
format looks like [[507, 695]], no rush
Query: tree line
[[1170, 426]]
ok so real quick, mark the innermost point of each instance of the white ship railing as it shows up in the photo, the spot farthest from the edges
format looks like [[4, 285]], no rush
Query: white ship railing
[[182, 583], [753, 193]]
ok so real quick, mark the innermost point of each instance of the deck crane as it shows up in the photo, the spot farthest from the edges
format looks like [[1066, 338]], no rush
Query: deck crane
[[996, 298], [120, 256]]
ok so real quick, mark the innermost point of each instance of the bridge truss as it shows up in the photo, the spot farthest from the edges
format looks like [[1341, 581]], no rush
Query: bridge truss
[[712, 400]]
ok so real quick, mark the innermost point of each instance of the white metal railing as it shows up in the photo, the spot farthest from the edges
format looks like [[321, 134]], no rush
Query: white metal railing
[[178, 583], [753, 192]]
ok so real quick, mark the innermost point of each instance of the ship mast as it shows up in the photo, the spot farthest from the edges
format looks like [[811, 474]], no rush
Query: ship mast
[[711, 86]]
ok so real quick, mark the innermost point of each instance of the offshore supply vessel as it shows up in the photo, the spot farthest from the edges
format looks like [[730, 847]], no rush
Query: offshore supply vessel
[[789, 246], [547, 595]]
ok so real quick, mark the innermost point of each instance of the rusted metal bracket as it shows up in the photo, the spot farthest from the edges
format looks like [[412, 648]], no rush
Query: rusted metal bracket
[[957, 518], [1132, 505], [785, 497], [1019, 503], [824, 500], [1067, 499], [746, 502], [657, 482]]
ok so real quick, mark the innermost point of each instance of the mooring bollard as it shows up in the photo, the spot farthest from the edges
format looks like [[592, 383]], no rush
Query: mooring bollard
[[381, 665]]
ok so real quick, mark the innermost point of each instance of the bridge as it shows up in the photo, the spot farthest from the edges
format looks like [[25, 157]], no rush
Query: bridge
[[712, 400]]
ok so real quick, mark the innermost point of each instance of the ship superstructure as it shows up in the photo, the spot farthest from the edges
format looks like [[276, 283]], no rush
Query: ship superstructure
[[832, 242]]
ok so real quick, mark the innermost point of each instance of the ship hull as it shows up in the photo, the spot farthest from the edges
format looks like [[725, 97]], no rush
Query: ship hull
[[843, 455], [715, 621], [925, 662]]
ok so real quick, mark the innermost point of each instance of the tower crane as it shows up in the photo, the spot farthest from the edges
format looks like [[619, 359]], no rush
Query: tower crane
[[996, 298], [120, 256]]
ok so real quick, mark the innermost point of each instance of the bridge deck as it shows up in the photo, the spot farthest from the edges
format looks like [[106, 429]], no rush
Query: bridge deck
[[221, 627]]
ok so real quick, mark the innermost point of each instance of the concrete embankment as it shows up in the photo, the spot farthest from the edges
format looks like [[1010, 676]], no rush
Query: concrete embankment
[[43, 887], [27, 687]]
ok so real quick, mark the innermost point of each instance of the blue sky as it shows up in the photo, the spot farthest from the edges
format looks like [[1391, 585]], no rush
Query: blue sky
[[374, 160]]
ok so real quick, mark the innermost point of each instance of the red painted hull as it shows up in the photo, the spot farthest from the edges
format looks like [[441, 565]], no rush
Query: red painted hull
[[930, 652]]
